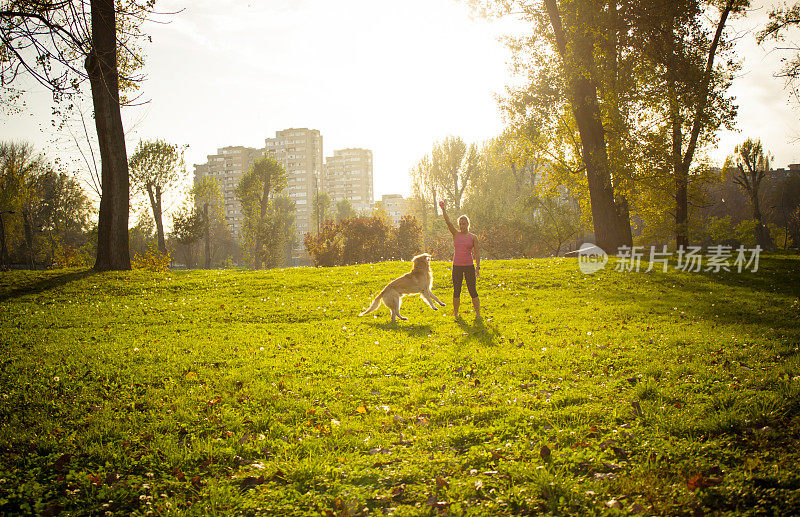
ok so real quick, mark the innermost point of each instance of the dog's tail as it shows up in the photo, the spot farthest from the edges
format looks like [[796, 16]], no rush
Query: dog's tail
[[375, 303]]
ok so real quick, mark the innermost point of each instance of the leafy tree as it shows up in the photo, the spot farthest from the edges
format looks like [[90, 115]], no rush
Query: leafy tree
[[208, 201], [61, 44], [20, 168], [325, 248], [142, 235], [408, 238], [598, 87], [254, 192], [750, 165], [453, 168], [279, 237], [187, 228], [423, 201], [62, 218], [366, 239], [155, 168], [682, 53], [321, 207], [344, 210]]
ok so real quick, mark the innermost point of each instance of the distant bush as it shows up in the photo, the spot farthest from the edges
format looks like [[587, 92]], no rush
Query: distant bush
[[325, 248], [65, 255], [151, 259], [359, 240]]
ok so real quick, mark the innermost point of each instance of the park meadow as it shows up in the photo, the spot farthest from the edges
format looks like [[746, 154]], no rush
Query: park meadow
[[228, 392]]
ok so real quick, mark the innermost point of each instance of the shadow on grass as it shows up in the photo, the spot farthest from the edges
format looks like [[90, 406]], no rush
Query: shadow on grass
[[45, 284], [727, 298], [412, 329], [478, 331]]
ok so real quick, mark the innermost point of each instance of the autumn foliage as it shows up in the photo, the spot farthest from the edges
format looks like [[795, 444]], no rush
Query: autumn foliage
[[359, 240]]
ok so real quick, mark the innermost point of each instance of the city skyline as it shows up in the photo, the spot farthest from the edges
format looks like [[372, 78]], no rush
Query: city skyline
[[346, 174]]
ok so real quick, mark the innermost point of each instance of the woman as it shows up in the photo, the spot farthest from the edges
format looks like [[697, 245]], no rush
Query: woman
[[466, 247]]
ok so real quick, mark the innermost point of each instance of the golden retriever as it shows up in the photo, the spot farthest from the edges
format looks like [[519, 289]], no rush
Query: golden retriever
[[418, 281]]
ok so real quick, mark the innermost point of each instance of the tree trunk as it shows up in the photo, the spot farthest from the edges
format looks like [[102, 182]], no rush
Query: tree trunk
[[208, 236], [155, 204], [762, 236], [611, 229], [162, 245], [101, 67], [681, 174], [3, 250], [28, 230]]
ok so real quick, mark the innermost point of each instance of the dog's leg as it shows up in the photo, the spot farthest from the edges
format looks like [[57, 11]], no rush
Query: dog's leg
[[392, 300], [426, 295], [437, 300], [396, 301], [399, 301]]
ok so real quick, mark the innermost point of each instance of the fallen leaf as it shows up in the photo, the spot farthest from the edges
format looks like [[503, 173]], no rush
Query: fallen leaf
[[544, 452], [251, 481]]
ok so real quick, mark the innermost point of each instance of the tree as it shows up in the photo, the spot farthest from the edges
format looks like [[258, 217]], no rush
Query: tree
[[155, 168], [20, 169], [750, 165], [453, 168], [684, 58], [187, 228], [61, 44], [321, 207], [254, 192], [575, 43], [408, 237], [344, 210], [598, 88], [423, 201], [781, 21], [325, 248], [208, 201], [61, 216]]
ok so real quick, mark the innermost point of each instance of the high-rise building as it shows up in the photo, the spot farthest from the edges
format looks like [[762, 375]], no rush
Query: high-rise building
[[395, 206], [299, 150], [226, 168], [348, 175]]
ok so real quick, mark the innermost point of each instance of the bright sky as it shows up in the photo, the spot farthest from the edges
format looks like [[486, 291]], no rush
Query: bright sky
[[392, 77]]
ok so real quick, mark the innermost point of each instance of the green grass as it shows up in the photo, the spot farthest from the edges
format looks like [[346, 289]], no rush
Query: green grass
[[228, 392]]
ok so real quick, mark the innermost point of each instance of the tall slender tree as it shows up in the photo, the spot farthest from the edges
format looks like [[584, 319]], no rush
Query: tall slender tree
[[255, 191], [156, 167], [750, 165]]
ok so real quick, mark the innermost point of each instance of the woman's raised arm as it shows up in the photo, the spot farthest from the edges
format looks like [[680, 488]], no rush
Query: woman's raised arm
[[447, 219]]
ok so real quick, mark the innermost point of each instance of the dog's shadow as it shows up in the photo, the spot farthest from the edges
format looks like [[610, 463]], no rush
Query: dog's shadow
[[412, 329]]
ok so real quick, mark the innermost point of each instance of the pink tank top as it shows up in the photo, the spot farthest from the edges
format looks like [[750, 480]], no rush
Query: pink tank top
[[463, 245]]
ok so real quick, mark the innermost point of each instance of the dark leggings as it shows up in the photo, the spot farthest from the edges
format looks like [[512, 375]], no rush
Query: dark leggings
[[460, 273]]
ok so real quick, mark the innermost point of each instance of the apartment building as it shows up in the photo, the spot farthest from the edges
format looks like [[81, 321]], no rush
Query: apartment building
[[348, 175], [226, 168], [395, 205], [299, 150]]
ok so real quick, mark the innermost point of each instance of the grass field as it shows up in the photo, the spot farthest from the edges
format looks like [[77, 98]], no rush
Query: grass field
[[227, 392]]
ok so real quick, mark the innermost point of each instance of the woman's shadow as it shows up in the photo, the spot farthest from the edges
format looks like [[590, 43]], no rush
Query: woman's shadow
[[477, 331]]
